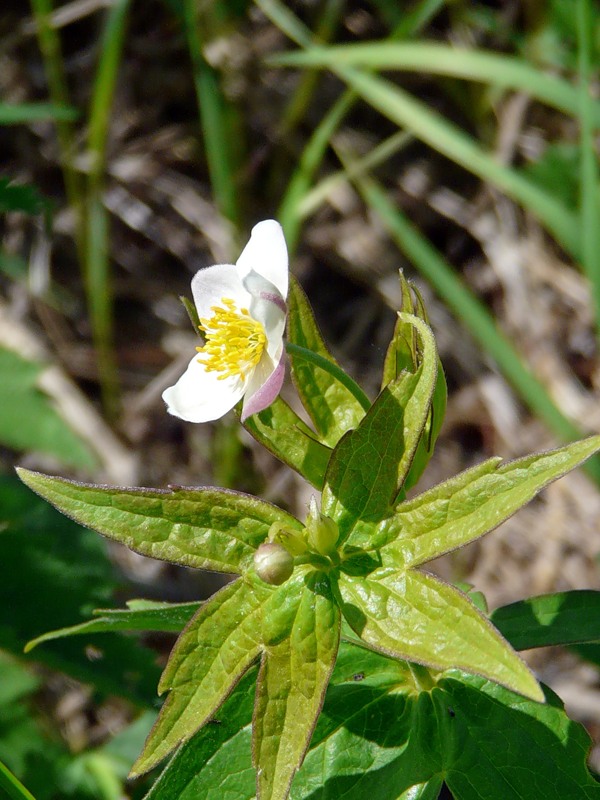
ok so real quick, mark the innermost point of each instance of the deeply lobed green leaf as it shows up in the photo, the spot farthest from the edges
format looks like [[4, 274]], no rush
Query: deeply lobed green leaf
[[216, 648], [380, 737], [469, 505], [369, 465], [293, 678], [333, 409], [414, 616], [207, 528], [282, 431]]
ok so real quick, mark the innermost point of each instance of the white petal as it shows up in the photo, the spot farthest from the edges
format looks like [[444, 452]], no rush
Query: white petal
[[212, 284], [266, 253], [269, 309], [199, 397], [264, 385]]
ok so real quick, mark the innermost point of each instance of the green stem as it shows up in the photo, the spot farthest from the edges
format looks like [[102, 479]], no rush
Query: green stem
[[333, 369]]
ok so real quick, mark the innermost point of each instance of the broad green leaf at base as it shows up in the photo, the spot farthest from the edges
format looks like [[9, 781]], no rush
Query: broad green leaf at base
[[378, 738]]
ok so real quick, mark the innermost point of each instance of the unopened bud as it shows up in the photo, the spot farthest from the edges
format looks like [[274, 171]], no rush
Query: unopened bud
[[323, 532], [323, 535], [293, 541], [273, 563]]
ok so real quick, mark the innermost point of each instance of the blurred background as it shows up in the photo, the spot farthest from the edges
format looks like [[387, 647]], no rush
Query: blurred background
[[139, 142]]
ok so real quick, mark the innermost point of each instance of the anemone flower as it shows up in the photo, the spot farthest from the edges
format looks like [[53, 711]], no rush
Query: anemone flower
[[242, 312]]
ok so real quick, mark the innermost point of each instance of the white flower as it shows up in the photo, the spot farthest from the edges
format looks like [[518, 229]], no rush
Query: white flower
[[242, 313]]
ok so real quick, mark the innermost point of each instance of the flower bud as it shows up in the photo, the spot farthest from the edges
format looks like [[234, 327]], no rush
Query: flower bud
[[293, 541], [323, 532], [273, 563]]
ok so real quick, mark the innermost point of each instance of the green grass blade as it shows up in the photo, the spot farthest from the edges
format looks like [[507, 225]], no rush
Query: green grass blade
[[413, 21], [314, 198], [22, 113], [292, 209], [471, 312], [49, 43], [216, 119], [507, 72], [97, 240], [289, 214], [281, 16], [298, 105], [12, 786], [430, 127], [588, 121]]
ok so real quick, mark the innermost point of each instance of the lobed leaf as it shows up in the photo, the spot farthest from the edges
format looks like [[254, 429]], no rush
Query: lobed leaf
[[414, 616], [206, 528], [216, 762], [282, 431], [369, 465], [333, 409], [471, 504], [140, 616], [291, 685], [380, 736], [216, 648]]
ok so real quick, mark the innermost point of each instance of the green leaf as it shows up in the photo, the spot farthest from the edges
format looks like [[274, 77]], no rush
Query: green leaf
[[414, 616], [368, 467], [164, 617], [282, 431], [430, 433], [504, 747], [291, 686], [380, 736], [550, 619], [206, 528], [333, 409], [403, 354], [471, 504], [214, 651], [216, 762], [28, 420]]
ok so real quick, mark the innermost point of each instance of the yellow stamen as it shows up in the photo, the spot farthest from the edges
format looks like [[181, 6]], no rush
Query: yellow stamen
[[234, 341]]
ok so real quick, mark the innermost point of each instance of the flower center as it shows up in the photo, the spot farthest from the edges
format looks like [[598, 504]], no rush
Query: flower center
[[234, 341]]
